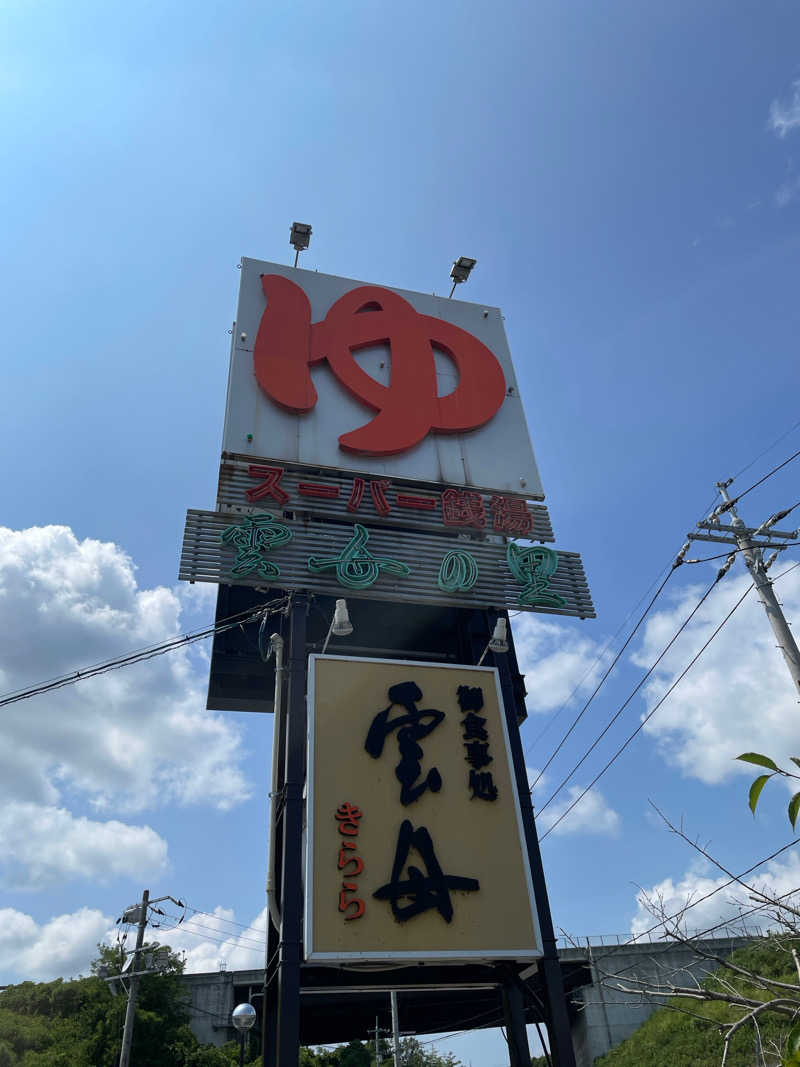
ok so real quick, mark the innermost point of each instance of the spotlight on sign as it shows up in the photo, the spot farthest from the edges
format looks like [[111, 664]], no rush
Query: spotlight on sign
[[299, 238], [340, 623], [461, 271], [498, 641]]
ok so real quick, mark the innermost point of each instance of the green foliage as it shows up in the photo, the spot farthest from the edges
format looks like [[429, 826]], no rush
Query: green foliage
[[79, 1023], [359, 1054], [687, 1033], [758, 784]]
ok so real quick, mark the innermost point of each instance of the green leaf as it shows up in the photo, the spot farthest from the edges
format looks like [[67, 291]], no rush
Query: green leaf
[[794, 807], [795, 760], [755, 790], [759, 760], [793, 1040]]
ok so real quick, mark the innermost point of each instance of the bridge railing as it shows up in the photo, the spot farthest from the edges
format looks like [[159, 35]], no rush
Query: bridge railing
[[652, 937]]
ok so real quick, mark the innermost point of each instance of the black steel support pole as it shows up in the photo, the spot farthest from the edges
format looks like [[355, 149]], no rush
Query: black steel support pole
[[269, 1023], [561, 1050], [289, 956], [519, 1052]]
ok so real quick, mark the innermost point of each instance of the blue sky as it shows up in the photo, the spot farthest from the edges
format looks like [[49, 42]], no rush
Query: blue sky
[[628, 177]]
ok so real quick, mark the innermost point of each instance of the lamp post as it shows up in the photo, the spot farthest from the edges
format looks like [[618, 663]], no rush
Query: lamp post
[[244, 1015]]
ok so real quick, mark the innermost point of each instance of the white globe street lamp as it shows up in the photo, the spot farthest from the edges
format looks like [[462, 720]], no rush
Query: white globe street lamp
[[243, 1018]]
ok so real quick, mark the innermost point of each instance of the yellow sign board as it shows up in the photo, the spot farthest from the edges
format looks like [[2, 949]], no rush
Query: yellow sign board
[[414, 846]]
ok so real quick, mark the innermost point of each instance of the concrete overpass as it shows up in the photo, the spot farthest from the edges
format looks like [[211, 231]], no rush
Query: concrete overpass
[[430, 1001]]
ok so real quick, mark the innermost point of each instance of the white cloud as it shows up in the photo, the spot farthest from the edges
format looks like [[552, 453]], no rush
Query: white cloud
[[558, 663], [43, 845], [65, 945], [62, 947], [787, 192], [783, 118], [207, 939], [591, 815], [737, 698], [731, 905], [133, 738]]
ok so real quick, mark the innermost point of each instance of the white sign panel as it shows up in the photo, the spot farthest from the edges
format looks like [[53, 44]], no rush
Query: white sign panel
[[333, 373]]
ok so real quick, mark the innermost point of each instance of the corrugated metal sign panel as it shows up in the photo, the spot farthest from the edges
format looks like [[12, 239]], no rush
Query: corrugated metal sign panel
[[403, 497], [205, 558]]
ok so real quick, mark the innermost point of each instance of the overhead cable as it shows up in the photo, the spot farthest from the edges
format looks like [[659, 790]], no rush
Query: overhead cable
[[722, 571], [735, 500], [600, 684], [229, 623], [650, 714]]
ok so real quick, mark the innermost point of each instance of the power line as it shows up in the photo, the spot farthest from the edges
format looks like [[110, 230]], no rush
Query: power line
[[140, 656], [591, 669], [769, 448], [735, 500], [224, 937], [651, 713], [219, 918], [636, 688], [713, 892]]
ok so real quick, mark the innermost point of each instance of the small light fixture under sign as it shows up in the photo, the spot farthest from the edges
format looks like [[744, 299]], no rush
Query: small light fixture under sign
[[340, 623], [498, 642]]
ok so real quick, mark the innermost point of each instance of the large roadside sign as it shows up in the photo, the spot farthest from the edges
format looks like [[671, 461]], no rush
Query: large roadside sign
[[414, 843], [334, 373], [375, 442]]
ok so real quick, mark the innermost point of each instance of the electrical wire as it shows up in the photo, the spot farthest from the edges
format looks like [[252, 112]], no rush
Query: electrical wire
[[219, 918], [707, 896], [140, 656], [735, 500], [225, 936], [769, 448], [633, 693], [598, 658], [651, 713], [599, 685]]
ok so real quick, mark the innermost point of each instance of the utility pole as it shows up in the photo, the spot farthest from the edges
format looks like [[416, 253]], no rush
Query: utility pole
[[751, 541], [140, 911], [395, 1029], [133, 984], [377, 1032]]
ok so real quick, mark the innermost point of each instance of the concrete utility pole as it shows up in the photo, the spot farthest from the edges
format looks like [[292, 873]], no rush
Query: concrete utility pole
[[378, 1031], [395, 1029], [751, 541], [130, 1013]]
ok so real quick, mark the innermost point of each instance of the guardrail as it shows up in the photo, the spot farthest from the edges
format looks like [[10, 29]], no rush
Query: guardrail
[[652, 937]]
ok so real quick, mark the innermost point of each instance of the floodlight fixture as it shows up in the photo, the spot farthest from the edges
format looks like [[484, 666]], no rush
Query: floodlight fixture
[[498, 642], [340, 623], [461, 271], [299, 238]]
